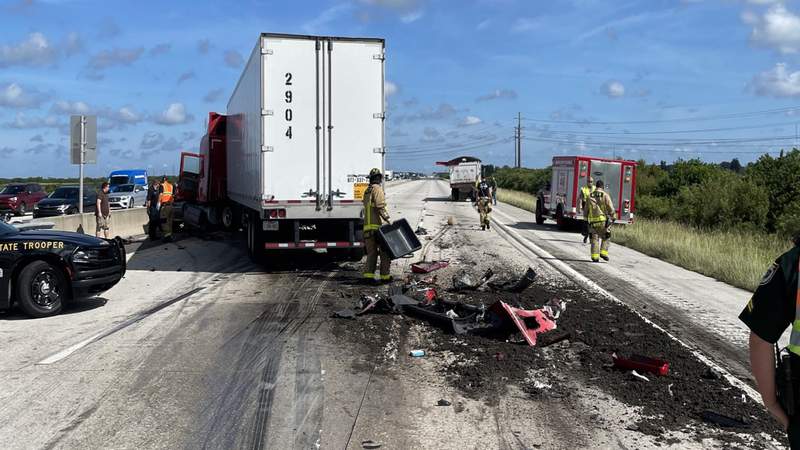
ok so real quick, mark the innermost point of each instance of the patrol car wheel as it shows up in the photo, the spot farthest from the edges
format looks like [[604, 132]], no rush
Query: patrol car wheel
[[41, 289]]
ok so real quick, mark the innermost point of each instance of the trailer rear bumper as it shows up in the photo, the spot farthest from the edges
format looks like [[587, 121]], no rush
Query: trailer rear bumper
[[310, 245]]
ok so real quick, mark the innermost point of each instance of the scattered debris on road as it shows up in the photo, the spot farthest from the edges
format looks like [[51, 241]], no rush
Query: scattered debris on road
[[641, 363], [428, 266], [443, 402], [416, 353]]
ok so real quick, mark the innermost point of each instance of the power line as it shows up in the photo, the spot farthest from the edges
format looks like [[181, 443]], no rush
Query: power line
[[698, 130], [742, 115]]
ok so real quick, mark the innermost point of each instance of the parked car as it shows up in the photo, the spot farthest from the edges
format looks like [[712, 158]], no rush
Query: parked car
[[127, 196], [20, 198], [45, 269], [64, 201]]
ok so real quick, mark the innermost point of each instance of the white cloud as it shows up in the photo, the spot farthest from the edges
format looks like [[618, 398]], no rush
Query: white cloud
[[412, 16], [470, 120], [66, 107], [524, 24], [442, 111], [327, 16], [613, 89], [175, 114], [22, 121], [34, 51], [203, 46], [233, 59], [498, 94], [160, 49], [776, 82], [484, 24], [778, 28], [127, 115], [390, 88], [213, 95], [15, 96], [115, 57], [409, 10], [186, 76]]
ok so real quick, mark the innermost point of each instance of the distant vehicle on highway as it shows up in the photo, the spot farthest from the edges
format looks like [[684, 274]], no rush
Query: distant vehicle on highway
[[127, 196], [20, 198], [64, 201], [465, 171], [132, 176], [561, 199], [42, 270]]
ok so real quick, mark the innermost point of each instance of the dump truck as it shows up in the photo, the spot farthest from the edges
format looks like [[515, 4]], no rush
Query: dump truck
[[560, 200], [303, 128], [464, 173]]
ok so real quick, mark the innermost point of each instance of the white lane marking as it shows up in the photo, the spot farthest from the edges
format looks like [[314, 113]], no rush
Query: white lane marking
[[130, 321], [577, 277]]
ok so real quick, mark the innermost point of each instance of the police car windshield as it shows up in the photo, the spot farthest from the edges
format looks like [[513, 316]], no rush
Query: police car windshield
[[70, 193], [13, 189], [7, 229], [122, 188]]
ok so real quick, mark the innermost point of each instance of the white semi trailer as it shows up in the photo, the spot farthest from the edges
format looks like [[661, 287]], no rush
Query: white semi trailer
[[305, 125]]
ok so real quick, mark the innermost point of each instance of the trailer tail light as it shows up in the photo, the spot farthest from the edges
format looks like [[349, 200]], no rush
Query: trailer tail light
[[276, 213], [627, 206]]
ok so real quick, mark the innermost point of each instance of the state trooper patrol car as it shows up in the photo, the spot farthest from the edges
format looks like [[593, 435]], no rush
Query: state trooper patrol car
[[42, 270]]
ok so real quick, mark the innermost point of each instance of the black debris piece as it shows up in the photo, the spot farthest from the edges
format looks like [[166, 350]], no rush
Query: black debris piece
[[421, 231], [465, 281], [722, 420], [443, 402], [370, 444], [513, 284]]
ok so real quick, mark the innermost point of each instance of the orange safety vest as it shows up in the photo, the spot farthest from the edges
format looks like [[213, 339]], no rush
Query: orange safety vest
[[166, 193]]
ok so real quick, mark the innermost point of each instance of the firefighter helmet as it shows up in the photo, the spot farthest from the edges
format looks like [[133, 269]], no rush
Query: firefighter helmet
[[375, 172]]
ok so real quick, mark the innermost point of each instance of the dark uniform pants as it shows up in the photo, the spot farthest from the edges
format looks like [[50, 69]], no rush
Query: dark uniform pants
[[373, 251]]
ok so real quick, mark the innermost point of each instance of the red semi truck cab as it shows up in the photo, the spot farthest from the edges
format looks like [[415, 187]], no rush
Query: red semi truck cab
[[561, 200]]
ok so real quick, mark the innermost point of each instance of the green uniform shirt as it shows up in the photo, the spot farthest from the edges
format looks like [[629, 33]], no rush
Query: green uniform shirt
[[772, 307]]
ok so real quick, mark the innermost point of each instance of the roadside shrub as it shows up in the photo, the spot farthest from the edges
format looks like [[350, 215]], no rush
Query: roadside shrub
[[780, 177], [653, 207], [724, 200]]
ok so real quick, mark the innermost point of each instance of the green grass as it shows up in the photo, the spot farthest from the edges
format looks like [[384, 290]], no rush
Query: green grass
[[737, 258], [516, 198]]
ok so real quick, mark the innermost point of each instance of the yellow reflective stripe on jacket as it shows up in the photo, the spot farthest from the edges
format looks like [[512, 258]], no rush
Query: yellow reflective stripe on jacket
[[368, 225]]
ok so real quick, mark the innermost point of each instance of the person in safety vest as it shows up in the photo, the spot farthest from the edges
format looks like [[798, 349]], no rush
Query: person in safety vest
[[774, 306], [375, 215], [165, 211], [586, 191], [600, 214]]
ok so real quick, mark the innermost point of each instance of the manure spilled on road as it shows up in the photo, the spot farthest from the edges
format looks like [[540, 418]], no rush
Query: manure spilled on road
[[580, 350]]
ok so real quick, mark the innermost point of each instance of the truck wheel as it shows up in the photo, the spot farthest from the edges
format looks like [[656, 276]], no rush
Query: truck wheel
[[42, 289], [561, 221], [23, 208], [539, 214], [454, 194], [228, 218]]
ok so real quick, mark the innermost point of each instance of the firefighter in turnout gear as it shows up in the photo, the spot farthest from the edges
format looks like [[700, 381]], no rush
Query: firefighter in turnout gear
[[483, 200], [375, 215], [586, 191], [775, 306], [599, 211]]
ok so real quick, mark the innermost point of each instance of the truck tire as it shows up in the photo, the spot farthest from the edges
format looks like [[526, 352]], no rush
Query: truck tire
[[455, 194], [561, 220], [228, 218], [42, 290], [539, 213]]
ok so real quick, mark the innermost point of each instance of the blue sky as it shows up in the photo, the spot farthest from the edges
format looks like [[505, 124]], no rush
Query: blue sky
[[652, 79]]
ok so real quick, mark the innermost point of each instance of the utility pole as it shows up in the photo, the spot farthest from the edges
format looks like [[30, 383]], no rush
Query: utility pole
[[519, 139], [83, 162]]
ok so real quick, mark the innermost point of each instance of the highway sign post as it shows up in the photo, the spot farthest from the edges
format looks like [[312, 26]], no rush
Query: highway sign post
[[83, 146]]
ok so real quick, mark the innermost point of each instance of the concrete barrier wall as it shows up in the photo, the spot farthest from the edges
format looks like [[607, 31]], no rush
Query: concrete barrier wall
[[124, 222]]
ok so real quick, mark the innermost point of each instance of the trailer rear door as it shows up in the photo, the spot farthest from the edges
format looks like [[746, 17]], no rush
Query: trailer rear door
[[290, 90], [610, 172], [354, 112]]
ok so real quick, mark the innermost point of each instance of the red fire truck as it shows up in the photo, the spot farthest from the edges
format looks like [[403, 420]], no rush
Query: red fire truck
[[561, 199]]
